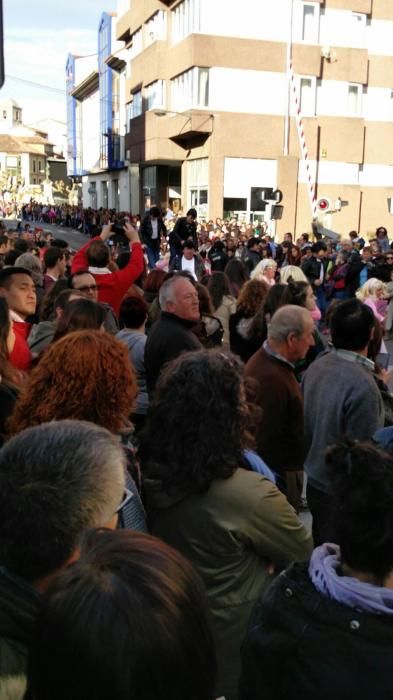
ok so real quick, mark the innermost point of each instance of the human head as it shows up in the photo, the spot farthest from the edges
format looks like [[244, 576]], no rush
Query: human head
[[178, 296], [55, 480], [361, 477], [288, 237], [17, 286], [85, 283], [188, 250], [267, 269], [237, 274], [155, 212], [372, 288], [97, 254], [218, 286], [86, 375], [207, 384], [381, 232], [351, 324], [292, 272], [5, 245], [254, 244], [252, 296], [319, 249], [79, 314], [151, 639], [32, 263], [49, 302], [192, 214], [153, 281], [291, 332], [55, 260], [133, 312], [366, 254]]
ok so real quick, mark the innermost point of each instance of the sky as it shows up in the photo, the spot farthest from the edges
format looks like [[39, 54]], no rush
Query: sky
[[37, 39]]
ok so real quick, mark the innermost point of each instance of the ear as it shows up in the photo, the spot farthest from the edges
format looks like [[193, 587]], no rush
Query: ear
[[3, 292]]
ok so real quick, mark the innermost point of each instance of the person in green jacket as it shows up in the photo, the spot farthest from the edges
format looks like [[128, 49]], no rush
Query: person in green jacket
[[233, 524]]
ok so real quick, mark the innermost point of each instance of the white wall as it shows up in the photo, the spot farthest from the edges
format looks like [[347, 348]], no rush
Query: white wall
[[91, 132], [240, 174], [124, 186], [376, 176], [256, 92], [252, 19]]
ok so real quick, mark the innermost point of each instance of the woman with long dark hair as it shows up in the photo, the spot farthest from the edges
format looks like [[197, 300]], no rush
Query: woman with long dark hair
[[234, 525], [224, 303]]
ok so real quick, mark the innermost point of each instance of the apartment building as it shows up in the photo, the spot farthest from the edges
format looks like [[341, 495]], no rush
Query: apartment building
[[210, 106], [96, 121]]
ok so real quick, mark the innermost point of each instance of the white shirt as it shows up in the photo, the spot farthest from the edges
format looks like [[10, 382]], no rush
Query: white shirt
[[189, 266], [154, 226]]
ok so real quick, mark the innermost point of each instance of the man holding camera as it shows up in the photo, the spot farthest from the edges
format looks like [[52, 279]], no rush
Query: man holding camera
[[94, 257]]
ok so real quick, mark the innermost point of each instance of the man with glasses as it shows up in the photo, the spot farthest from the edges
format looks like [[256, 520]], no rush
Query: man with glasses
[[84, 282], [56, 480]]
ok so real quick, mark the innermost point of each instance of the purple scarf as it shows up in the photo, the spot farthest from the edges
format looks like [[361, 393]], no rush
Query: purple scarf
[[364, 597]]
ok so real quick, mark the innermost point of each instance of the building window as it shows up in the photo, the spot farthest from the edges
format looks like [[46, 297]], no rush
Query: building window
[[93, 194], [136, 104], [34, 166], [198, 187], [357, 32], [39, 166], [4, 114], [355, 92], [186, 19], [191, 89], [310, 23], [116, 195], [154, 95], [18, 115], [155, 28], [136, 46], [129, 109], [104, 192], [308, 91]]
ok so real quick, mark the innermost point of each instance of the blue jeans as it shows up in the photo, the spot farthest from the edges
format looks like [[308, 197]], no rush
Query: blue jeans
[[321, 299], [153, 256]]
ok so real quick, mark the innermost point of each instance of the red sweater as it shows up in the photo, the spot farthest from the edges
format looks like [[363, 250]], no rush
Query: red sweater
[[112, 286], [21, 357]]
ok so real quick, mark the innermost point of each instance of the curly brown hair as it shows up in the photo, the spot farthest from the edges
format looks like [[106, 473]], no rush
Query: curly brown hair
[[252, 296], [86, 375]]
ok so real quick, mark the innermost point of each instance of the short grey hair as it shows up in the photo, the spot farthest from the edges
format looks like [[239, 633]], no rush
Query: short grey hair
[[32, 263], [167, 291], [288, 319], [56, 480]]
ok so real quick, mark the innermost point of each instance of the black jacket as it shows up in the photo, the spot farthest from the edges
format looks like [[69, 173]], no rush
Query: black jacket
[[312, 269], [167, 339], [182, 232], [303, 646], [19, 606], [146, 232]]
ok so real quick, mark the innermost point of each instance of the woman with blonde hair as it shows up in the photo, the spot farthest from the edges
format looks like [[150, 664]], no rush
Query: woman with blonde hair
[[373, 293], [265, 271], [293, 273]]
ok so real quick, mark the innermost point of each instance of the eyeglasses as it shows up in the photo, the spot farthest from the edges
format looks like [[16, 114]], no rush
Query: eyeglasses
[[87, 288], [127, 496]]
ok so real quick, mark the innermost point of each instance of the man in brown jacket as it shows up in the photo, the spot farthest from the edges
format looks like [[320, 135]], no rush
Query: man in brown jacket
[[273, 388]]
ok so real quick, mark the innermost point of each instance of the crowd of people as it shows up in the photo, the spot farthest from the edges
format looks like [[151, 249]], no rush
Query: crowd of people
[[164, 393]]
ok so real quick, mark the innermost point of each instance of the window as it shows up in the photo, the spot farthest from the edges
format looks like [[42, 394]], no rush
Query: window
[[39, 166], [310, 23], [129, 109], [198, 188], [34, 166], [136, 104], [191, 89], [155, 28], [93, 194], [307, 90], [357, 30], [116, 195], [4, 114], [104, 192], [186, 19], [154, 95], [18, 116], [136, 46], [355, 92]]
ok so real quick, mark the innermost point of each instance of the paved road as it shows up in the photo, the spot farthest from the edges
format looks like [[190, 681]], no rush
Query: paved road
[[74, 238]]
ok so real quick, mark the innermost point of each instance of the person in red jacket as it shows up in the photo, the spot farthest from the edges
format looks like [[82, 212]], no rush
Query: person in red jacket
[[17, 286], [94, 256]]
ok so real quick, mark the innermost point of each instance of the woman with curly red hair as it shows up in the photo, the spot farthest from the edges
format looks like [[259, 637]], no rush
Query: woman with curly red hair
[[85, 375]]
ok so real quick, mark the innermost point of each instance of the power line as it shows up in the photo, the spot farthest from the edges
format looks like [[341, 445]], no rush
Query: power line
[[34, 84]]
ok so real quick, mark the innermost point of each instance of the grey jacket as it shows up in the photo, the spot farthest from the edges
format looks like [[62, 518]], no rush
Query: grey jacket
[[136, 341], [340, 398]]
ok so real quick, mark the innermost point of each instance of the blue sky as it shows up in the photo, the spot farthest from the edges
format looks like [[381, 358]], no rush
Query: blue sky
[[38, 37]]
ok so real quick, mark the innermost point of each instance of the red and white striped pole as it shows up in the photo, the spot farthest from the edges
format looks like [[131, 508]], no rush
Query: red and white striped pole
[[302, 140]]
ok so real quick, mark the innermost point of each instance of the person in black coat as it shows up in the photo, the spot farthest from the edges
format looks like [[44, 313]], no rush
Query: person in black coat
[[185, 228], [152, 230], [325, 629]]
